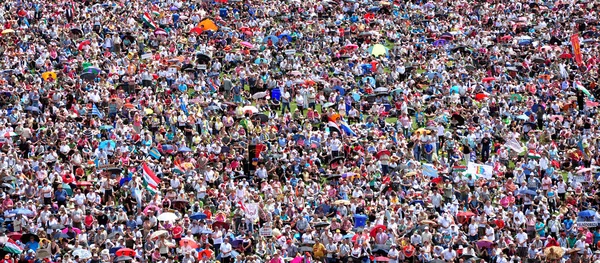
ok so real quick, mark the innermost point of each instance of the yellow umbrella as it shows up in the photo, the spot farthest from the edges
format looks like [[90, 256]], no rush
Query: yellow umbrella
[[378, 50], [7, 31], [208, 24], [422, 130], [47, 75], [341, 202], [554, 252], [148, 111]]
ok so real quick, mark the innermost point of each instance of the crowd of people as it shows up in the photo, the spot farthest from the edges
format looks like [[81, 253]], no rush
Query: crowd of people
[[299, 131]]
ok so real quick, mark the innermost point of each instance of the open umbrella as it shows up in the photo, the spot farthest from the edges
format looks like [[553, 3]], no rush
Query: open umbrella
[[27, 237], [208, 24], [84, 44], [125, 252], [378, 50], [198, 216], [82, 253], [373, 231], [263, 118], [188, 242], [381, 259], [484, 243], [249, 109], [554, 252], [246, 44], [123, 259], [167, 216], [7, 31], [158, 233], [271, 38]]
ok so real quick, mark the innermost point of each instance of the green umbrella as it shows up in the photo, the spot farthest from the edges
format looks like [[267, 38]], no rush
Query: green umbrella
[[516, 97], [378, 50], [67, 188], [85, 65]]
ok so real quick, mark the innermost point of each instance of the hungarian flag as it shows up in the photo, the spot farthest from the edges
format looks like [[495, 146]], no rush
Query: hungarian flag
[[151, 181], [533, 155], [459, 168], [12, 247], [148, 21]]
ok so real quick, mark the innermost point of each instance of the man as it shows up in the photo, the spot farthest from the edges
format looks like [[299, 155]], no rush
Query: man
[[225, 251], [319, 250], [449, 254]]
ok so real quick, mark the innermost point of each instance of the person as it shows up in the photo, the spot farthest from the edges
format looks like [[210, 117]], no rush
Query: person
[[226, 250]]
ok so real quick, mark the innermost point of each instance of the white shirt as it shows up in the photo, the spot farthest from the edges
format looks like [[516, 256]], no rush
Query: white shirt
[[225, 249], [448, 255]]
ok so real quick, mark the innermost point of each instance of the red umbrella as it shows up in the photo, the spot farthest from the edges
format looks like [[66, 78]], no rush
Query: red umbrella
[[22, 13], [84, 43], [125, 252], [376, 229], [84, 183], [488, 79], [351, 47], [381, 259], [196, 30], [186, 242], [383, 152], [480, 96], [566, 56], [14, 235]]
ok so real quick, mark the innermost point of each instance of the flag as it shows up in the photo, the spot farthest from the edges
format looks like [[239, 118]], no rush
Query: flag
[[151, 181], [429, 170], [514, 145], [459, 168], [335, 126], [534, 155], [12, 247], [148, 21], [241, 205], [97, 112], [346, 128], [576, 49], [154, 153]]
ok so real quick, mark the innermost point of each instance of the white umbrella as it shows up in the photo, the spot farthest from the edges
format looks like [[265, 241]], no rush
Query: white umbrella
[[251, 109], [167, 216], [82, 253], [158, 233], [259, 95]]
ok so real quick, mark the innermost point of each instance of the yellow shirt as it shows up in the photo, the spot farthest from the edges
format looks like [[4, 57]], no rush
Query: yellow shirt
[[319, 250]]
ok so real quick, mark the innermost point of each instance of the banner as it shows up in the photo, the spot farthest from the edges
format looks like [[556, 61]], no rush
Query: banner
[[251, 211], [576, 49], [480, 170], [266, 231]]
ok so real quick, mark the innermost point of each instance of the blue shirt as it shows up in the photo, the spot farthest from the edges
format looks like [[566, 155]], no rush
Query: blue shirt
[[61, 195]]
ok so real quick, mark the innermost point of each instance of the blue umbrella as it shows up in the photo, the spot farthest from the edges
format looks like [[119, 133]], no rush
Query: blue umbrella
[[261, 61], [107, 144], [587, 213], [527, 192], [286, 36], [356, 96], [340, 89], [185, 149], [439, 42], [206, 231], [32, 108], [21, 211], [198, 216], [348, 236], [273, 39], [124, 180]]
